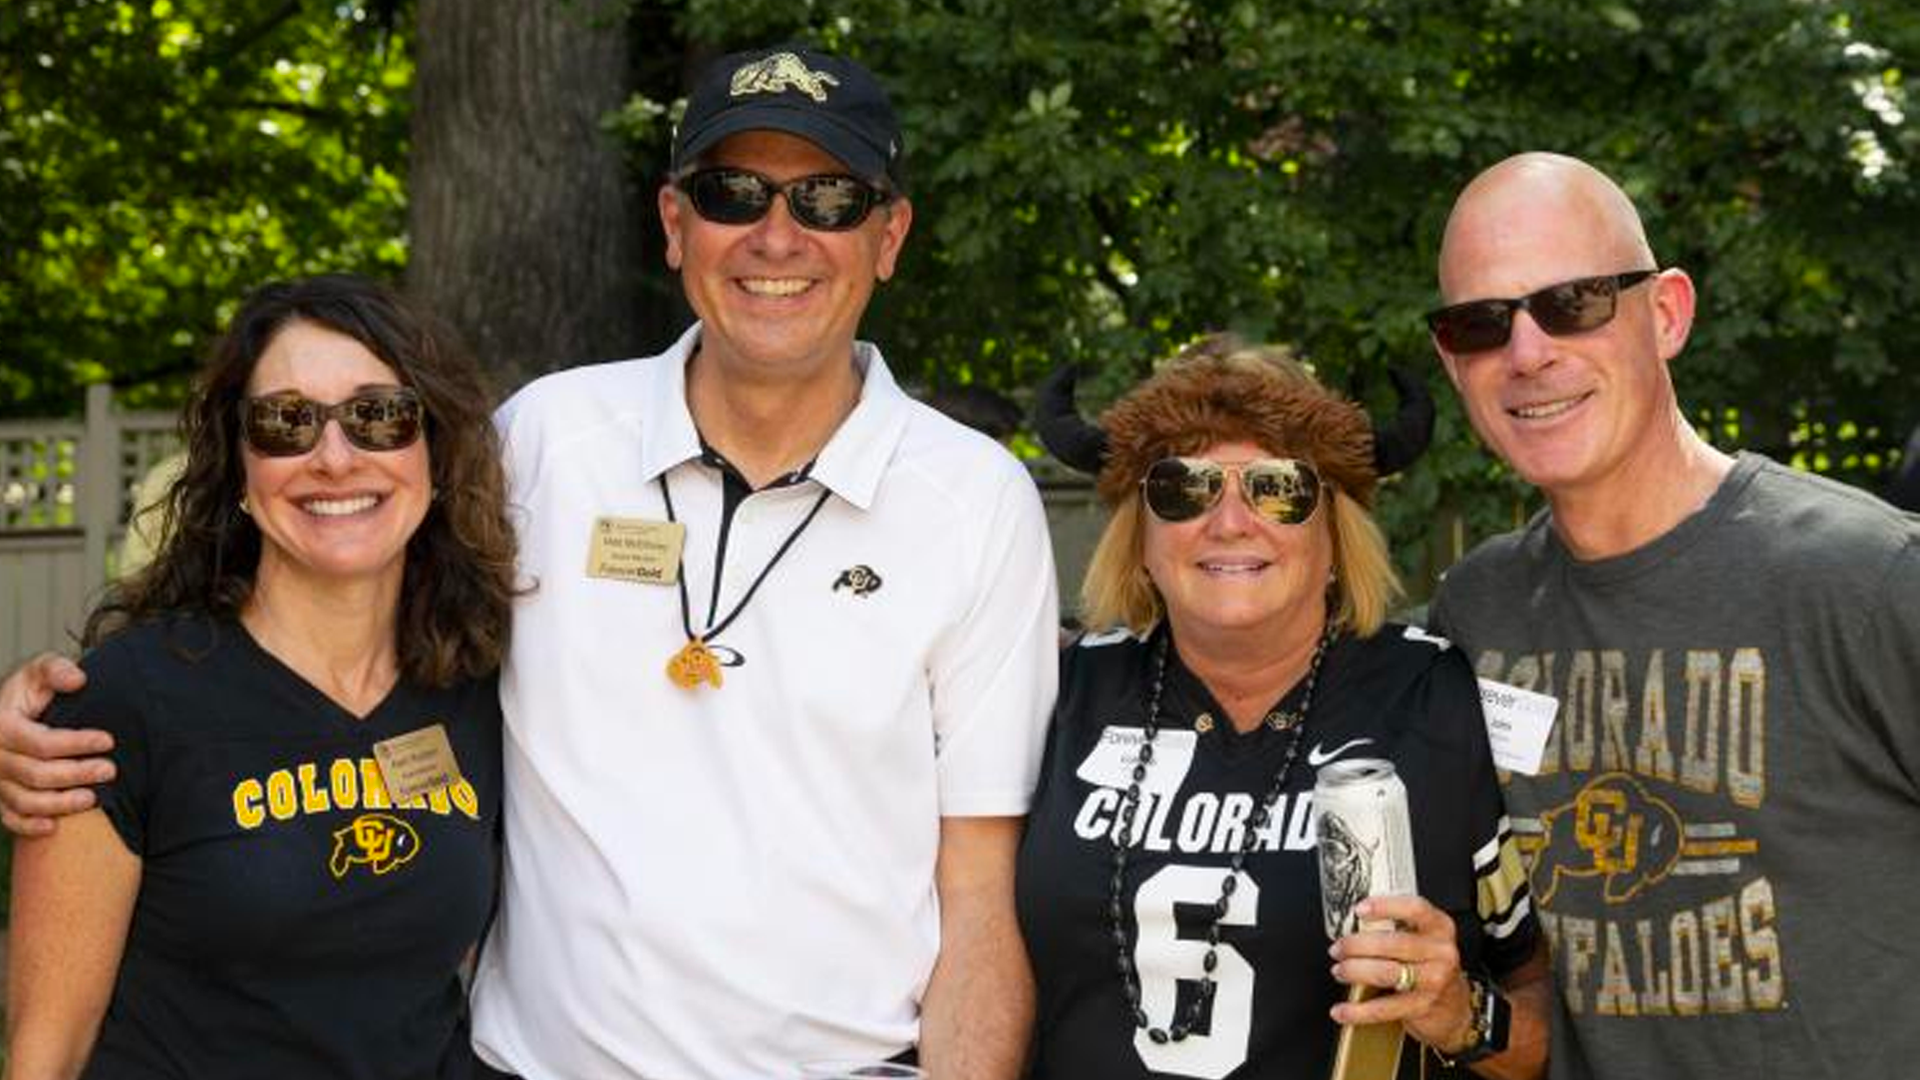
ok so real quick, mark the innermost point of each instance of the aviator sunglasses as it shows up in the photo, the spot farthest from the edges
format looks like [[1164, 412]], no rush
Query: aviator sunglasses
[[827, 203], [1284, 491], [287, 424], [1571, 307]]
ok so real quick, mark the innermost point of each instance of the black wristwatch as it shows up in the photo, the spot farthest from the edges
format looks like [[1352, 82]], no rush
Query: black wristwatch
[[1491, 1016]]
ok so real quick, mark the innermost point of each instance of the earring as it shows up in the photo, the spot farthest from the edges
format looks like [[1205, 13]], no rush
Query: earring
[[244, 507]]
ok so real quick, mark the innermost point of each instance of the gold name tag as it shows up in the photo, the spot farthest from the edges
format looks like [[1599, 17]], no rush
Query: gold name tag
[[635, 549], [417, 763]]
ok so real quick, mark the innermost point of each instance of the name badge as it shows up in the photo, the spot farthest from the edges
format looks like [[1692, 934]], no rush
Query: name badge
[[417, 763], [1118, 751], [635, 549], [1518, 723]]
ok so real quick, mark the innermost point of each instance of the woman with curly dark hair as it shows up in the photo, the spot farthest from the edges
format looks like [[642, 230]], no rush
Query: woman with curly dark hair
[[297, 849]]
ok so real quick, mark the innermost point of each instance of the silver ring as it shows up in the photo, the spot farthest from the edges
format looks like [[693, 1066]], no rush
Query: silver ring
[[1409, 978]]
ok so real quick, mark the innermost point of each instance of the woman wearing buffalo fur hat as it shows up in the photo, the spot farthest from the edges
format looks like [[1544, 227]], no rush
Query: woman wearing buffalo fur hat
[[1248, 588]]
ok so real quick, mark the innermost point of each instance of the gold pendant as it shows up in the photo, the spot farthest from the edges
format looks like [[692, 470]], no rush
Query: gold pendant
[[694, 664]]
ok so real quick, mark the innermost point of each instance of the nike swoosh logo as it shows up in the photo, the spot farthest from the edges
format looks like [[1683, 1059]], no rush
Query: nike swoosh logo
[[1317, 758]]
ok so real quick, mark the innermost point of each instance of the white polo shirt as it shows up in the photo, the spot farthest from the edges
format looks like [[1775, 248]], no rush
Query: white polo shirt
[[715, 884]]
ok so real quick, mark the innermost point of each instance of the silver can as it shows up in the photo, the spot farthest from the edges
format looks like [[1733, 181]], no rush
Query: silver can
[[1365, 839]]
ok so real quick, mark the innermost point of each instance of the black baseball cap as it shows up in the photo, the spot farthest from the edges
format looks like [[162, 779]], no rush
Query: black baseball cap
[[828, 100]]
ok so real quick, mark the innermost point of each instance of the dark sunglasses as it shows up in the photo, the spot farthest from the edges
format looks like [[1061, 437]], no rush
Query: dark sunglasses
[[828, 203], [1281, 490], [287, 424], [1571, 307]]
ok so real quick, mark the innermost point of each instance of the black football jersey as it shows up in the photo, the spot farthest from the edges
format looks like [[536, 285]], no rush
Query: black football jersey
[[1399, 695]]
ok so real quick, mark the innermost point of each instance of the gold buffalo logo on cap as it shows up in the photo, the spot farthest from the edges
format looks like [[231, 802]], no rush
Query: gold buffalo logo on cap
[[379, 842], [1613, 829], [781, 71]]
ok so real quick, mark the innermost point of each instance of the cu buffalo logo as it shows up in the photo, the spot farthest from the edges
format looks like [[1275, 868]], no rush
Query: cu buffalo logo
[[1614, 830], [861, 579], [1346, 874], [378, 842], [781, 71]]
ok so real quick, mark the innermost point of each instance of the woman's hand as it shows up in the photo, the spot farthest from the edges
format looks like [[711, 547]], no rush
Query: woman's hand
[[1418, 967]]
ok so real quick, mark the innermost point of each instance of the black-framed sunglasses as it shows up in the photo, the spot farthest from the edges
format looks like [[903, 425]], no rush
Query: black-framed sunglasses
[[831, 202], [288, 424], [1571, 307], [1281, 490]]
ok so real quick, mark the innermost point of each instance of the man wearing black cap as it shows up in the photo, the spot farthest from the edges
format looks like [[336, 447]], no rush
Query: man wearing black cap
[[769, 752], [775, 707]]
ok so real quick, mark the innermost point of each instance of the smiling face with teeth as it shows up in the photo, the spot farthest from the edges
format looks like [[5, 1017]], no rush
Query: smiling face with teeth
[[779, 302], [336, 513], [1230, 573], [1586, 416]]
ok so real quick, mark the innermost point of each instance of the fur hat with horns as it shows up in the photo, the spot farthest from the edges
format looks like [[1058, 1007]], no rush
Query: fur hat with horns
[[1221, 390]]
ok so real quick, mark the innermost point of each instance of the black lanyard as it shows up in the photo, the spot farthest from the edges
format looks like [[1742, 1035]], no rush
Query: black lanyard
[[686, 613]]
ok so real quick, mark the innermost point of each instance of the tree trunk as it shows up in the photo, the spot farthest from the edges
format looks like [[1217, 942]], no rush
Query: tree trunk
[[526, 228]]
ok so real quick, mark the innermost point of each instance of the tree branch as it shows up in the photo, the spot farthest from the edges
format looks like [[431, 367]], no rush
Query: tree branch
[[254, 34], [1110, 226], [296, 108]]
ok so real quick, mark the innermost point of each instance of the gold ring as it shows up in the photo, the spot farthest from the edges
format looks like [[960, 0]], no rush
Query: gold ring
[[1409, 978]]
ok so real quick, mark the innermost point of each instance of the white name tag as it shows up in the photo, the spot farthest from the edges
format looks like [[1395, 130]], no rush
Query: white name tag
[[1518, 723], [1114, 756]]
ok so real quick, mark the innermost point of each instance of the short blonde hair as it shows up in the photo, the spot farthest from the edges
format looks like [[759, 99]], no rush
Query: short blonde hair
[[1118, 592]]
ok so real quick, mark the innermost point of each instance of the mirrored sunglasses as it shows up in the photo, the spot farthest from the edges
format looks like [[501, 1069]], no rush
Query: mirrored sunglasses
[[827, 203], [1571, 307], [1281, 490], [288, 424]]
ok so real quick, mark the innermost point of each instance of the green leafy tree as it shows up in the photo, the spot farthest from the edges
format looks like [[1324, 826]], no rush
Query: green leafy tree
[[1098, 181], [158, 159]]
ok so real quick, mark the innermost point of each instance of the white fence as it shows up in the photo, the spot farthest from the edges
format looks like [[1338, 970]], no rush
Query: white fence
[[65, 490]]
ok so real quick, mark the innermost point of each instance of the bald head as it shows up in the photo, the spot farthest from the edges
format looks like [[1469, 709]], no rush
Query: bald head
[[1578, 400], [1535, 219]]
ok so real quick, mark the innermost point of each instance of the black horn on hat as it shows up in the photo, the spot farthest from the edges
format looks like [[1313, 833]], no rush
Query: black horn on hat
[[1400, 443], [1067, 435]]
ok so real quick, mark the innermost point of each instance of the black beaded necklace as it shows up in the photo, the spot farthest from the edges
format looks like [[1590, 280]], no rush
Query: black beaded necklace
[[1278, 720]]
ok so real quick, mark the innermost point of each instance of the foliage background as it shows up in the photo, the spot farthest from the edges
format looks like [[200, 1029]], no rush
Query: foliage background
[[1096, 181], [1101, 180], [158, 159]]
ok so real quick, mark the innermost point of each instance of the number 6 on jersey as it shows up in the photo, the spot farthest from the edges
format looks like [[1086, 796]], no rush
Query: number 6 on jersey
[[1164, 958]]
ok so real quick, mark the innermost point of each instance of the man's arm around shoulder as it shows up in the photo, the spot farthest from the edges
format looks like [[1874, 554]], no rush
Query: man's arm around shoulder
[[44, 771]]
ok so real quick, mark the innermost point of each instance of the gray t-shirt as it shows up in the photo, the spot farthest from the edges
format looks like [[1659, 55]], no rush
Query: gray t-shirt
[[1726, 828]]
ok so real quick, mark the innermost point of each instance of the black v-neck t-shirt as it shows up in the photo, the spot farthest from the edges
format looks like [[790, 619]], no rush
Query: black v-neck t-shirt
[[291, 922]]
